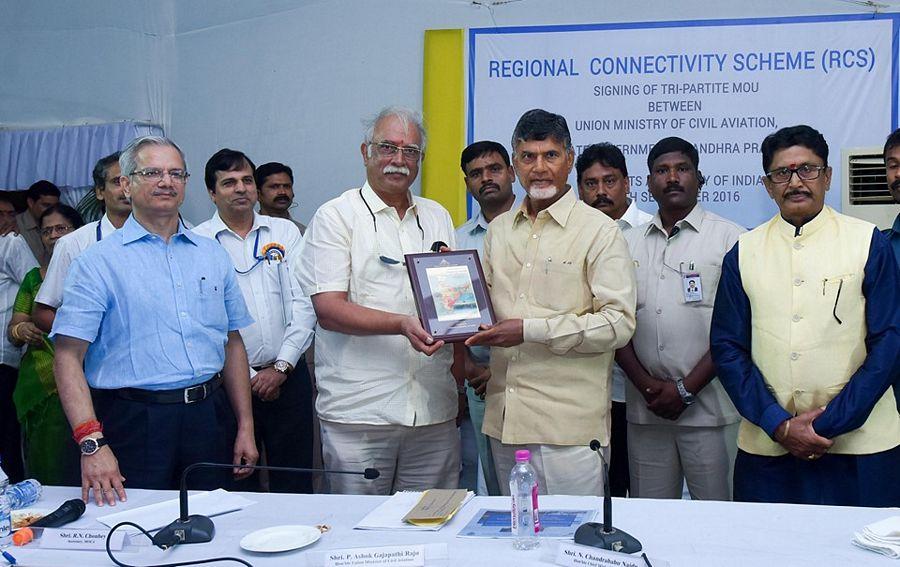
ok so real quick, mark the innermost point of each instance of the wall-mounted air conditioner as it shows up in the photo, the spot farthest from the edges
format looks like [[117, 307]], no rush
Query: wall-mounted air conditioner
[[865, 193]]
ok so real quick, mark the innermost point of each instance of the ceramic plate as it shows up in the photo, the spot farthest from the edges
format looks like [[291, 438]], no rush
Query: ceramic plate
[[280, 538]]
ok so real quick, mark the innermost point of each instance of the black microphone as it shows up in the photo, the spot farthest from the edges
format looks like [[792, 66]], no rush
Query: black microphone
[[604, 535], [70, 511], [200, 529]]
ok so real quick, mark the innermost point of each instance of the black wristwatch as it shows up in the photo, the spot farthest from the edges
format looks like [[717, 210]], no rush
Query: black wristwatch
[[686, 397], [90, 445]]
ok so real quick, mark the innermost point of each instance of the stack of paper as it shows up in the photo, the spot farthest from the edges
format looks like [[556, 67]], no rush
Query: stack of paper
[[882, 537], [392, 515]]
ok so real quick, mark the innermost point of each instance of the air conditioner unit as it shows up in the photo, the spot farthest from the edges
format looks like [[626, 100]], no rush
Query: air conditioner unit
[[865, 192]]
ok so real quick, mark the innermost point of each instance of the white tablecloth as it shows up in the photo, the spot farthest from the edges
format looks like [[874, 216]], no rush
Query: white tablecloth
[[683, 532]]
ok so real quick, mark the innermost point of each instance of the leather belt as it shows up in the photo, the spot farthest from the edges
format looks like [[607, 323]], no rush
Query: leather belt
[[189, 395]]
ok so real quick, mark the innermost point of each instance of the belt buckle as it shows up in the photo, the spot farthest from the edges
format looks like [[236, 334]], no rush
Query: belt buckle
[[188, 391]]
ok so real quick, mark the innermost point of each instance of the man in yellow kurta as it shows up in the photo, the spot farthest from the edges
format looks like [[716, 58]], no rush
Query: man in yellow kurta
[[806, 336], [562, 286]]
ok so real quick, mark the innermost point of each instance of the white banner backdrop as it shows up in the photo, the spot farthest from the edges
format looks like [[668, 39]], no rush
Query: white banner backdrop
[[723, 85]]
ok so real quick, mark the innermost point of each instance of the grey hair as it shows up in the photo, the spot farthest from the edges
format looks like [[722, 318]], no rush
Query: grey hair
[[128, 159], [538, 124], [406, 116]]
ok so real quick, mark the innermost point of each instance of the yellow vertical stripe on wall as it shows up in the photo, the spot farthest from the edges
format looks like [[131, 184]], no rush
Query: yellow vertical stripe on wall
[[443, 107]]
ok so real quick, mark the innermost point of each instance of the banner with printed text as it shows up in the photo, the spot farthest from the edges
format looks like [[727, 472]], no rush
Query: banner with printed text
[[723, 85]]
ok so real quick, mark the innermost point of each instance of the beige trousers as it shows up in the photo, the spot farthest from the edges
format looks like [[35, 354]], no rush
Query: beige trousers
[[408, 458], [662, 457], [561, 469]]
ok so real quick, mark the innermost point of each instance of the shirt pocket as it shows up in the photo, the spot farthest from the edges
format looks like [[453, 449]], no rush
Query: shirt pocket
[[842, 296], [211, 312], [642, 280], [709, 281], [560, 286]]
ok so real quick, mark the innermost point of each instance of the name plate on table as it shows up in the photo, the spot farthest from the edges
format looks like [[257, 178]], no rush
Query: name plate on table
[[80, 539], [574, 555], [450, 292], [385, 556]]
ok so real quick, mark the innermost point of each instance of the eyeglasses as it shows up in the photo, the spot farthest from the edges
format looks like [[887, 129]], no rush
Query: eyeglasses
[[387, 149], [154, 175], [56, 229], [384, 258], [805, 172]]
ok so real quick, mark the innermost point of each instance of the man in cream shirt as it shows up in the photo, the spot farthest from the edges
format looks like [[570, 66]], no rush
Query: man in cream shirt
[[386, 398], [562, 285]]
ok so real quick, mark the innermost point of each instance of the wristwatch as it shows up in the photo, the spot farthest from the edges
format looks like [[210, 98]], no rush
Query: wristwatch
[[90, 445], [282, 366], [686, 397]]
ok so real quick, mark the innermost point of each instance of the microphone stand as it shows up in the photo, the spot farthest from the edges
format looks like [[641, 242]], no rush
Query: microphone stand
[[197, 528], [604, 535]]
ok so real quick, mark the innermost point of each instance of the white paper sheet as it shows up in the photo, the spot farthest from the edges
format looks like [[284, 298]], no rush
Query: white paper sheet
[[389, 516], [155, 516]]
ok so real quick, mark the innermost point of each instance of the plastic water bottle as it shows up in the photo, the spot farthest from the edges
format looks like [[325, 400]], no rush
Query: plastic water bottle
[[23, 494], [523, 489], [5, 511], [4, 480]]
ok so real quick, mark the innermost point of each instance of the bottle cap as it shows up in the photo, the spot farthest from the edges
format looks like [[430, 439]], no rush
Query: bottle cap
[[523, 455]]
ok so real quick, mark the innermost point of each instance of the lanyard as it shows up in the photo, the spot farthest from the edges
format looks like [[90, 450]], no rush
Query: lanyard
[[256, 255]]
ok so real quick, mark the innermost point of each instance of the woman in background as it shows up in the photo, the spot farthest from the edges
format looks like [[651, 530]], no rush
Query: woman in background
[[50, 454]]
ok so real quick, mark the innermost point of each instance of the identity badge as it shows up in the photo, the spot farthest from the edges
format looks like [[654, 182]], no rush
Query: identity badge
[[692, 287], [273, 252]]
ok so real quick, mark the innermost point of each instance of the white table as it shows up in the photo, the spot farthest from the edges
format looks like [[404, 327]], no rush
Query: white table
[[685, 533]]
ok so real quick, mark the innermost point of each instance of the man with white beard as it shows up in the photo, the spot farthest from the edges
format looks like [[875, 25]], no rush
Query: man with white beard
[[386, 397], [562, 284]]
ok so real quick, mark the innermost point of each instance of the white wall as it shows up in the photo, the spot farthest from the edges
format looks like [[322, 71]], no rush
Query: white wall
[[281, 80]]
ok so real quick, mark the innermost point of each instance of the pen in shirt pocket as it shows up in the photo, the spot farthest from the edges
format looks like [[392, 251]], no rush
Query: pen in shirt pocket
[[202, 285]]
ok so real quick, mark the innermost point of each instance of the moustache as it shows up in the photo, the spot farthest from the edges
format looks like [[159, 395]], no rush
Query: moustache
[[674, 187], [600, 201], [792, 192], [401, 169], [164, 193], [282, 198], [487, 186], [895, 185]]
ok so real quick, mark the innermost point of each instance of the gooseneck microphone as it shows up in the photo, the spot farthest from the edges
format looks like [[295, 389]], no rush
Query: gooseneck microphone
[[200, 529], [70, 511], [604, 535]]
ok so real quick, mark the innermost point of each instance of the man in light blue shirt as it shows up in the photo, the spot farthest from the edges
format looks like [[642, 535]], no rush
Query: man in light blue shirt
[[148, 328], [489, 179]]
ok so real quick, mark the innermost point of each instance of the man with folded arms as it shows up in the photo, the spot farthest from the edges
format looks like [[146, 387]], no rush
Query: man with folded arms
[[805, 336], [562, 286], [266, 254], [603, 183], [386, 398], [681, 424], [151, 369]]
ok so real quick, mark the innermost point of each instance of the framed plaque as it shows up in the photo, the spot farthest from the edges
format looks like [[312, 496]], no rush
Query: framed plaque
[[450, 292]]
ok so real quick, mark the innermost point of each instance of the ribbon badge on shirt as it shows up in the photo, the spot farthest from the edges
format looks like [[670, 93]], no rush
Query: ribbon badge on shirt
[[273, 252]]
